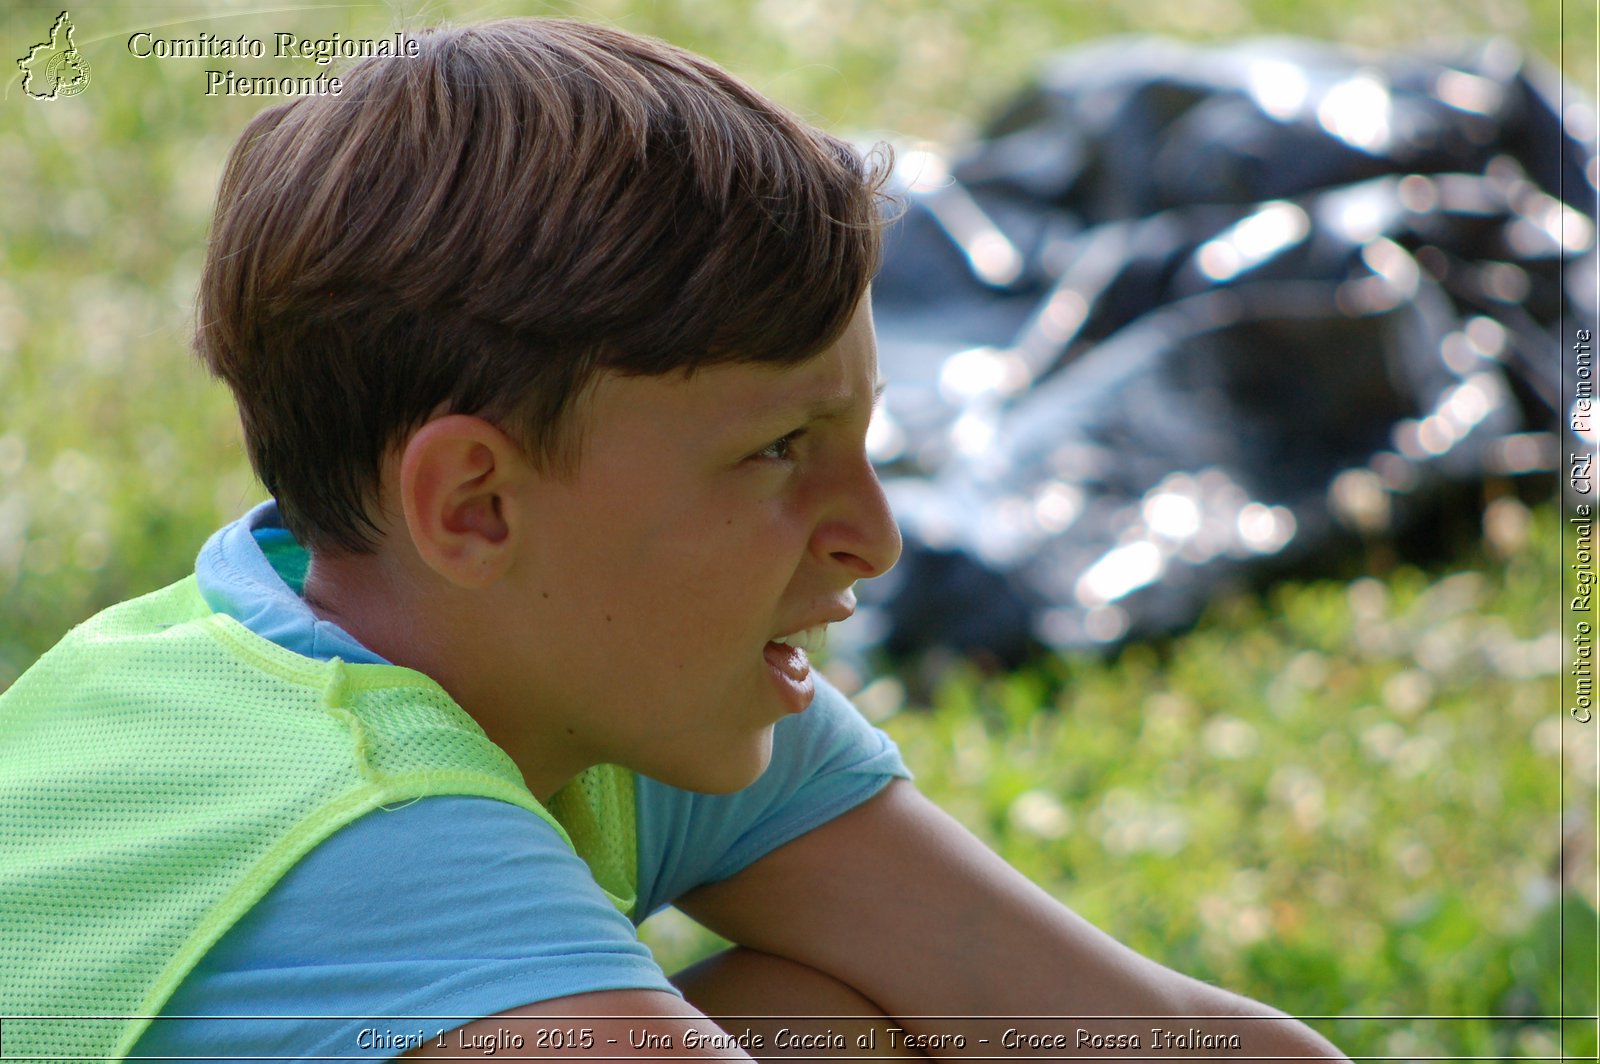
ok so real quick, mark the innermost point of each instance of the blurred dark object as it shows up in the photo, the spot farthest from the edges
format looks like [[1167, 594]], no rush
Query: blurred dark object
[[1187, 317]]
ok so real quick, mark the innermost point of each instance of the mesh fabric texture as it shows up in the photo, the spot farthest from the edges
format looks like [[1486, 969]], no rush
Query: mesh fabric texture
[[162, 767]]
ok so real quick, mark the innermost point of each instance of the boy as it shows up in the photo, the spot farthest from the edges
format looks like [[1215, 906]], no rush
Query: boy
[[552, 345]]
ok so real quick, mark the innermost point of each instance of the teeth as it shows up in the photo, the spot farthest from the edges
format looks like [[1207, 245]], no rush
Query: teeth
[[806, 639]]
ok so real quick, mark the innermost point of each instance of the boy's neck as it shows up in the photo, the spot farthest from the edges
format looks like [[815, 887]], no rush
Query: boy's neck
[[413, 620]]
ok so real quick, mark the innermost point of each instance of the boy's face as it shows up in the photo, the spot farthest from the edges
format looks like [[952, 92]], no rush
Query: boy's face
[[708, 517]]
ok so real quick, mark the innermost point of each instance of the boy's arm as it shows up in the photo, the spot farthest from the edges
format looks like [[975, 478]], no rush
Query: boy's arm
[[605, 1025], [900, 902]]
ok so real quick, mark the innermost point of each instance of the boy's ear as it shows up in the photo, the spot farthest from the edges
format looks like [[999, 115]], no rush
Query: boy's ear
[[455, 473]]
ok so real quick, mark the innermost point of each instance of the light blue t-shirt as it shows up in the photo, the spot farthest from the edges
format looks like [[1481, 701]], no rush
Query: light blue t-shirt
[[415, 919]]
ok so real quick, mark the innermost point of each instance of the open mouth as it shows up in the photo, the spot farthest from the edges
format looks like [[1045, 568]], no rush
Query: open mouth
[[790, 665], [814, 638]]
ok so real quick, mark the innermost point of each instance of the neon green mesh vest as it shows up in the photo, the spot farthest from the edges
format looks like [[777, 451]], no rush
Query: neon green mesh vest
[[163, 766]]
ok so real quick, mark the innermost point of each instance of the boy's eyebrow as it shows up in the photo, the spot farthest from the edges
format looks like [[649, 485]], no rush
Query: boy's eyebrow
[[837, 405], [828, 405]]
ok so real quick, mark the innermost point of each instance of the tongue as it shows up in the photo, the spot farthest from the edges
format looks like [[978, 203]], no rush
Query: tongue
[[791, 661]]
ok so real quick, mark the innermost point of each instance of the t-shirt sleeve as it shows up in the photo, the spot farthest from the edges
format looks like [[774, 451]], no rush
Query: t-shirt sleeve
[[407, 922], [825, 762]]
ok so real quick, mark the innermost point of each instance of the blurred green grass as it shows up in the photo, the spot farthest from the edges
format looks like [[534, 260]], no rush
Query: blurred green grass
[[1343, 792], [1346, 799]]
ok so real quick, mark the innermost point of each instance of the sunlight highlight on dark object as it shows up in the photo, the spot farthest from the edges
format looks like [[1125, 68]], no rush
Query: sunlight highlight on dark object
[[1189, 318]]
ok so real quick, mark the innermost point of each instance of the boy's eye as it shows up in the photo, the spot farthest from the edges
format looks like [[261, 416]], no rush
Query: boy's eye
[[780, 448]]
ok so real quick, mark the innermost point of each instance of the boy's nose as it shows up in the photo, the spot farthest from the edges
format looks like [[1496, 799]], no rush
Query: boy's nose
[[860, 535]]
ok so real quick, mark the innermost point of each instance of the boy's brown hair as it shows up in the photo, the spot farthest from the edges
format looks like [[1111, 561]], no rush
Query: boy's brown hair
[[485, 227]]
